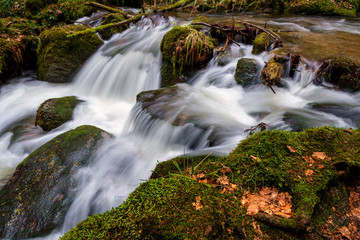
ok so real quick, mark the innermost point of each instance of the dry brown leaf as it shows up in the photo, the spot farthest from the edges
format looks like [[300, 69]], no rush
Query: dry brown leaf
[[321, 166], [225, 169], [197, 204], [223, 180], [203, 181], [308, 159], [291, 149], [309, 172], [200, 176], [232, 187], [252, 209]]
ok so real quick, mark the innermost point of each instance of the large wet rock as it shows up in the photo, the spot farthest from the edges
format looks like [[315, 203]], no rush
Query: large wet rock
[[183, 49], [36, 198], [59, 55], [247, 71], [262, 43], [55, 111]]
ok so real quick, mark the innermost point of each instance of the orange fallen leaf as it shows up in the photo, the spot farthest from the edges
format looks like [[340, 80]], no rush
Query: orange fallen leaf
[[197, 204], [200, 176], [321, 166], [309, 172], [291, 149], [319, 155], [345, 232]]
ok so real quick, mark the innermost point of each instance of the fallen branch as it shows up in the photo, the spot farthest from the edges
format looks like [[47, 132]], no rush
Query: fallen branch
[[271, 33], [133, 19], [109, 9]]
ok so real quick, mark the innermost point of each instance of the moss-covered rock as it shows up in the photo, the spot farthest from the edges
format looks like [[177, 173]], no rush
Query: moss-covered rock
[[74, 9], [324, 7], [184, 48], [111, 18], [55, 111], [345, 73], [166, 209], [35, 200], [59, 56], [18, 42], [246, 71], [304, 164], [261, 43]]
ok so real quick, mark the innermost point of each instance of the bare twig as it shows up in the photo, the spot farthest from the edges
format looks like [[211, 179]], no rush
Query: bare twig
[[203, 160]]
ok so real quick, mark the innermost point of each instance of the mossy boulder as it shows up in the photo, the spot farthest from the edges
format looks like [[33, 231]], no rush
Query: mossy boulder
[[261, 43], [183, 190], [184, 48], [55, 111], [324, 7], [18, 42], [345, 73], [111, 18], [274, 68], [246, 71], [59, 55], [36, 198]]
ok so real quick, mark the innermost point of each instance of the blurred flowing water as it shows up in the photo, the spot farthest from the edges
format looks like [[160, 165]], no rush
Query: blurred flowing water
[[130, 63]]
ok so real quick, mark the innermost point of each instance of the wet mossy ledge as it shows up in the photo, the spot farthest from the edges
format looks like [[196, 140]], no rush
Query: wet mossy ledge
[[203, 197], [36, 198], [55, 111], [58, 56]]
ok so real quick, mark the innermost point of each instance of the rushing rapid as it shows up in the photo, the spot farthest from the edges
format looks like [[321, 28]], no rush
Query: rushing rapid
[[128, 64]]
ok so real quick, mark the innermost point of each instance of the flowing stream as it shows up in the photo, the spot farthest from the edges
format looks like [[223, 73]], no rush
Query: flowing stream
[[130, 63]]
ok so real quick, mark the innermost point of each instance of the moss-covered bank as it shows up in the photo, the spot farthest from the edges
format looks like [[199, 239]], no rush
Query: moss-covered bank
[[196, 201], [18, 41], [36, 198], [59, 56]]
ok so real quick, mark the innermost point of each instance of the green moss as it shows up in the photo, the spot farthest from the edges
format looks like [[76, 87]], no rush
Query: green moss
[[59, 56], [345, 73], [261, 43], [324, 7], [55, 111]]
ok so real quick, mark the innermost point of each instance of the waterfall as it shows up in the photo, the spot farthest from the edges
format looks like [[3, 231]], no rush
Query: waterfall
[[130, 63]]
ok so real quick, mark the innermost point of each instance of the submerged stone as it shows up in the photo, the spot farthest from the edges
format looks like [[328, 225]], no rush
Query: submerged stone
[[246, 72], [59, 55], [55, 111], [36, 198]]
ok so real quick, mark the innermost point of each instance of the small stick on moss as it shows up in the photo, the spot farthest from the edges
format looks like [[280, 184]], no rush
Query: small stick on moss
[[173, 204], [202, 160], [271, 33]]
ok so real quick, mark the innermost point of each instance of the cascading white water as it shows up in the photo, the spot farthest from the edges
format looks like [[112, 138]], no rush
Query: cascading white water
[[130, 63]]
